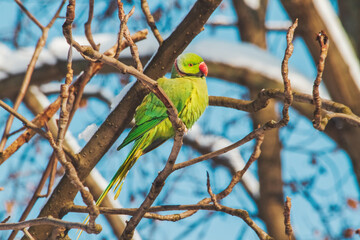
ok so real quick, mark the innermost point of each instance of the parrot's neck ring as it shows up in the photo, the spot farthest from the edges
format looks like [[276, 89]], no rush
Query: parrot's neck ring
[[178, 70]]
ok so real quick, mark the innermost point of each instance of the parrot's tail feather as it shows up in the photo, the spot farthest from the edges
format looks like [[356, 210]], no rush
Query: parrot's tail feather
[[120, 175], [84, 222]]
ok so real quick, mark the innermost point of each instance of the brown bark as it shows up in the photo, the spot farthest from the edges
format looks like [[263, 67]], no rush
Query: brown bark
[[349, 12], [251, 22]]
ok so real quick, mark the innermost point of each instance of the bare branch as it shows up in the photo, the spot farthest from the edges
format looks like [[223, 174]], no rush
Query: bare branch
[[124, 32], [287, 222], [254, 134], [243, 105], [176, 217], [123, 20], [32, 18], [284, 72], [212, 195], [26, 122], [323, 40], [48, 221], [150, 20], [87, 26], [27, 234]]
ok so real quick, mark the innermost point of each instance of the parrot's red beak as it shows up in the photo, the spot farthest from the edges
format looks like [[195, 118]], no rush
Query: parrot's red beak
[[203, 68]]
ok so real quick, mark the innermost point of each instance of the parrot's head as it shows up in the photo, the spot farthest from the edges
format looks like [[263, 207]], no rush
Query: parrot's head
[[189, 64]]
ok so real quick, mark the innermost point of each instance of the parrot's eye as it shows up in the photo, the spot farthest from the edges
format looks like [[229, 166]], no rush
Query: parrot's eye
[[190, 64]]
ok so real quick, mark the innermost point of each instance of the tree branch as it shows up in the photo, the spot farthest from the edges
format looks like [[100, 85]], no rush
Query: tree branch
[[48, 221]]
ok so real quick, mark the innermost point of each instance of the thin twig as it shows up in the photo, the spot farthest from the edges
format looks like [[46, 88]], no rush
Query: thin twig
[[239, 104], [27, 234], [25, 84], [287, 222], [323, 40], [150, 20], [32, 18], [26, 122], [87, 26], [236, 179], [254, 134], [54, 162], [212, 195], [350, 119], [284, 72], [123, 20], [7, 218], [48, 221], [16, 131], [124, 32], [64, 94]]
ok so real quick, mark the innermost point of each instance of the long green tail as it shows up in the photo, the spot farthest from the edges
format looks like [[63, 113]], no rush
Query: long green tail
[[120, 175]]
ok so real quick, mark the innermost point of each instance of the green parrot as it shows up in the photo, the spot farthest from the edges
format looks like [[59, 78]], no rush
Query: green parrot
[[187, 90]]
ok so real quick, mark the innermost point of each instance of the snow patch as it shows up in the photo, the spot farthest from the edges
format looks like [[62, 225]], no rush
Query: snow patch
[[42, 99], [51, 87], [222, 20], [14, 62], [253, 4], [71, 142], [3, 75], [88, 132], [59, 47], [278, 25]]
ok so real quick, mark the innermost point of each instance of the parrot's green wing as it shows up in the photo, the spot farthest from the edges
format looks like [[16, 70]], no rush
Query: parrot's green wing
[[152, 111], [139, 130]]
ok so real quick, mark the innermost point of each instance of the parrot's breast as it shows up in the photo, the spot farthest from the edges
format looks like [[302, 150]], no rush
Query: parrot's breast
[[196, 104], [190, 97]]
